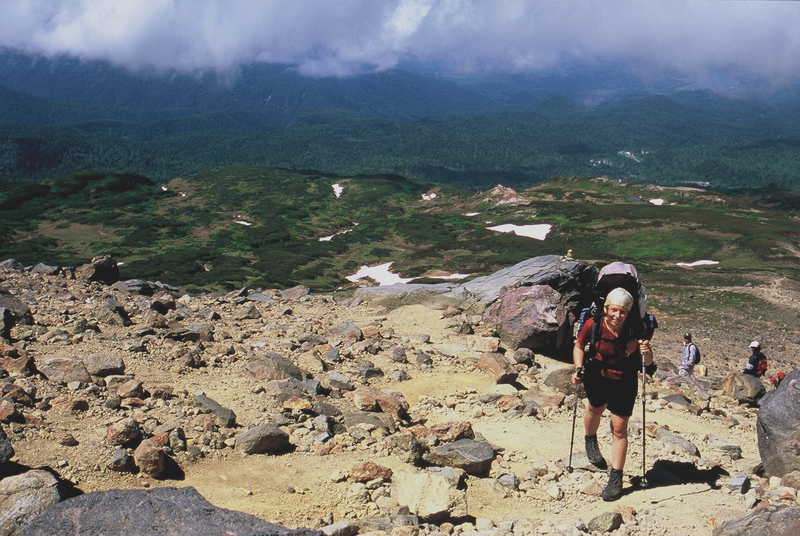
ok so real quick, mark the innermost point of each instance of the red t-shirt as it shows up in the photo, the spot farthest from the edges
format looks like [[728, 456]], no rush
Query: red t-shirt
[[610, 352]]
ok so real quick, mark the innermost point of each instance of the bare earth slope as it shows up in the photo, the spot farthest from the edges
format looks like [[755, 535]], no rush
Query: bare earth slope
[[309, 486]]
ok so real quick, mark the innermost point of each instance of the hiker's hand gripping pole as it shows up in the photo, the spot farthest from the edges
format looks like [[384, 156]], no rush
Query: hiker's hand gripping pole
[[579, 375], [647, 355]]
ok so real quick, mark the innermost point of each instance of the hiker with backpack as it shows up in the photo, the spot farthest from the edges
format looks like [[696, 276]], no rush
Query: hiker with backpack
[[757, 363], [690, 356], [607, 356]]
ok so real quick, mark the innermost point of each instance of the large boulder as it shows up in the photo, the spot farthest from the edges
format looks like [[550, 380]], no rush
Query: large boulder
[[433, 495], [778, 428], [534, 317], [770, 521], [12, 312], [572, 279], [156, 512], [471, 456], [102, 269], [25, 496], [744, 388]]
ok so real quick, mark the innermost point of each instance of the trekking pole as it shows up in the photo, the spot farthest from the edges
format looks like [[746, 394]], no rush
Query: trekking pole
[[644, 482], [572, 438]]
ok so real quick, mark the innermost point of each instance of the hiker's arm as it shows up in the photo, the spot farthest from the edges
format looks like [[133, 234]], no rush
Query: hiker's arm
[[647, 351], [577, 359]]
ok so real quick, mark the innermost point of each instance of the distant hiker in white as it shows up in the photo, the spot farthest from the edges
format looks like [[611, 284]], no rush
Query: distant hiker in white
[[689, 356]]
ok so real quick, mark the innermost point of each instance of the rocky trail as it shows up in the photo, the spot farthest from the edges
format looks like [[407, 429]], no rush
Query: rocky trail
[[327, 412]]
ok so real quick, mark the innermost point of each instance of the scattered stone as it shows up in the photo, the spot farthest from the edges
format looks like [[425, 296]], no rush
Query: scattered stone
[[263, 439]]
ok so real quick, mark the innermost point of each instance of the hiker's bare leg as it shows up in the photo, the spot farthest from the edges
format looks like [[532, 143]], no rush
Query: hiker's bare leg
[[619, 441], [591, 420]]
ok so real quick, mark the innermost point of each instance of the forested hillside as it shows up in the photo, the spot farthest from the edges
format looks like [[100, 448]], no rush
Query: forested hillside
[[60, 116]]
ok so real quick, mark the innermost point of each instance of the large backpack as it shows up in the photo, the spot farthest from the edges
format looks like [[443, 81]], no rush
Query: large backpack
[[639, 325], [761, 366], [696, 354]]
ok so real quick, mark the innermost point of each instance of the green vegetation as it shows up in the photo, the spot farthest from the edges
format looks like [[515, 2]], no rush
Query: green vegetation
[[224, 229]]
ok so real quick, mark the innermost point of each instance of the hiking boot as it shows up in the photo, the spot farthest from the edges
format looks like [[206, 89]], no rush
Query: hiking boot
[[613, 489], [593, 451]]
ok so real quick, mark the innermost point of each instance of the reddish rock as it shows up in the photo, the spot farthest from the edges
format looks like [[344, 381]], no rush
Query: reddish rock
[[130, 389], [150, 458], [451, 431], [366, 471], [122, 432], [497, 367], [17, 394], [68, 404], [64, 370]]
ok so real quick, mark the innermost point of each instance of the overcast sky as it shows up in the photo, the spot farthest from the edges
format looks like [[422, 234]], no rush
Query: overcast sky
[[341, 37]]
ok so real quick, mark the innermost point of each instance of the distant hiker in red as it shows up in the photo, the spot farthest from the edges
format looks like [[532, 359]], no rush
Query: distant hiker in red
[[777, 379], [757, 364], [607, 362]]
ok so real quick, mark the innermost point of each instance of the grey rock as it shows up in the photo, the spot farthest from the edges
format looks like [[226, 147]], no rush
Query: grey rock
[[262, 439], [570, 278], [103, 364], [677, 399], [342, 528], [222, 416], [768, 521], [157, 512], [44, 269], [272, 366], [337, 380], [777, 423], [725, 447], [13, 311], [295, 293], [6, 450], [101, 269], [113, 313], [407, 447], [121, 462], [347, 331], [472, 456], [25, 496], [12, 264], [744, 388], [391, 297], [668, 437], [605, 523], [64, 370]]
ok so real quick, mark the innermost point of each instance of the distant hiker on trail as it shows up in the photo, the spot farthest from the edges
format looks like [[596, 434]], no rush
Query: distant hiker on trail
[[777, 379], [757, 364], [607, 362], [689, 356]]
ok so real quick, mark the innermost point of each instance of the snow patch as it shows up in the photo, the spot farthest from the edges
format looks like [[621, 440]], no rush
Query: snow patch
[[470, 214], [337, 189], [379, 273], [696, 263], [429, 197], [242, 222], [538, 231], [448, 276], [658, 202]]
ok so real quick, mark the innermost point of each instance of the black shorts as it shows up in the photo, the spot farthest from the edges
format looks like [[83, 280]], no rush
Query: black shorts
[[618, 395]]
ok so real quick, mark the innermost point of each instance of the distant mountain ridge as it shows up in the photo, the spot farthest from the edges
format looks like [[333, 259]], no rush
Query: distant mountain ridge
[[61, 115]]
